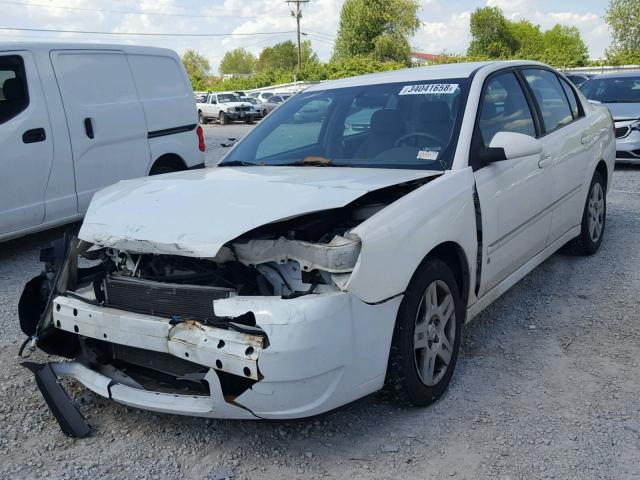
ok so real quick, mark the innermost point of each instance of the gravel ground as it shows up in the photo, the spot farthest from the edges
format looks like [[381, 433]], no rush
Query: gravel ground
[[547, 386], [215, 134]]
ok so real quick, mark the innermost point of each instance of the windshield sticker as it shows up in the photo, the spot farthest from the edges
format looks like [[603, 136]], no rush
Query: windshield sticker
[[429, 89], [427, 154]]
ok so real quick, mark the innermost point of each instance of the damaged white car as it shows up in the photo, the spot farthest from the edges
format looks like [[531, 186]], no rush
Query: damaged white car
[[327, 254]]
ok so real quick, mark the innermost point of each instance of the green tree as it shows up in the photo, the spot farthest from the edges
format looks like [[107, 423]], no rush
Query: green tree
[[358, 65], [623, 17], [491, 34], [380, 29], [529, 39], [284, 56], [564, 47], [197, 67], [238, 61]]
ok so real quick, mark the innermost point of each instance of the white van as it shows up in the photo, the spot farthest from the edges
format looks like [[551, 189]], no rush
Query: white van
[[75, 118]]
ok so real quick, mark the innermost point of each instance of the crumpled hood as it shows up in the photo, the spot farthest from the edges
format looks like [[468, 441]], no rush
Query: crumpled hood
[[624, 111], [194, 213]]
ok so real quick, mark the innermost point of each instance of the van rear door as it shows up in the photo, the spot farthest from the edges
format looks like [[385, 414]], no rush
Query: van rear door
[[26, 147], [106, 121]]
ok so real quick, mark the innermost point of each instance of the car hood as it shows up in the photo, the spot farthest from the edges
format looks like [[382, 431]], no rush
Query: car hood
[[194, 213], [624, 111]]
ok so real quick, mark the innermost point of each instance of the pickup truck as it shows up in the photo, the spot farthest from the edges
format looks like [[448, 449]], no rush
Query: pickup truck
[[225, 107]]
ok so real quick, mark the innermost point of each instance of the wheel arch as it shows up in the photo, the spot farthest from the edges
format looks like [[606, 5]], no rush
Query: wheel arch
[[602, 169], [454, 256], [172, 160]]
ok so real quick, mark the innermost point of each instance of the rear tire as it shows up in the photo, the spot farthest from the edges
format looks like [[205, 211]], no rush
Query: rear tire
[[594, 218], [201, 118], [426, 338], [223, 118], [264, 113]]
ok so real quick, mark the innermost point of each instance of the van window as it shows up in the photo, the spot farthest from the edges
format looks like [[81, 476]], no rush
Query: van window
[[14, 95], [505, 109], [157, 77], [550, 96]]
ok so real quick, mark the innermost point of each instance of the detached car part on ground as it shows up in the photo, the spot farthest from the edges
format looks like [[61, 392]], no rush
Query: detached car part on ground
[[297, 277]]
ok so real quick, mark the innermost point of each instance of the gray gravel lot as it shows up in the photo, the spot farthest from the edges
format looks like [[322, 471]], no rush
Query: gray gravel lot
[[547, 386], [215, 134]]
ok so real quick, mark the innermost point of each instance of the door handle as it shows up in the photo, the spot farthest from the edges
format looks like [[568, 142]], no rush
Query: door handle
[[586, 139], [545, 161], [88, 127], [34, 135]]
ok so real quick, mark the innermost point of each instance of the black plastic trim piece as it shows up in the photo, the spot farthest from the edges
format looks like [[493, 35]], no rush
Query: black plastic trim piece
[[65, 411], [171, 131]]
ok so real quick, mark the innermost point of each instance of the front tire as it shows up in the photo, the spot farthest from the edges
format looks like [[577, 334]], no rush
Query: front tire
[[594, 218], [426, 338], [223, 118], [201, 118]]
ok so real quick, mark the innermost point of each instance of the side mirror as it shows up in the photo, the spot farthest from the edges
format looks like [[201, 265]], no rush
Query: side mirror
[[509, 145]]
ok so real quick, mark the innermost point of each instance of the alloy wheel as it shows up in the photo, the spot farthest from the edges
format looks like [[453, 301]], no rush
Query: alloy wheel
[[434, 333], [596, 212]]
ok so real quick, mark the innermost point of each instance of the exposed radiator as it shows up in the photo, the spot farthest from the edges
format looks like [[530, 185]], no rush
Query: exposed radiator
[[163, 299]]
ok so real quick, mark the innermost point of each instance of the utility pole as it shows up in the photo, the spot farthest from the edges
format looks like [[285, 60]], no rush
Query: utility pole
[[297, 14]]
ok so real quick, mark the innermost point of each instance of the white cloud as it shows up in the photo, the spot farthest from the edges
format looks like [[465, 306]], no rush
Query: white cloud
[[451, 35]]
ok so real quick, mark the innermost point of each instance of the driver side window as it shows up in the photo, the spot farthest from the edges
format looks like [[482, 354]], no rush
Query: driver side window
[[504, 109]]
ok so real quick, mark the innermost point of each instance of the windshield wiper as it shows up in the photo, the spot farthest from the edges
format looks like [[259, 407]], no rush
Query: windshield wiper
[[237, 163]]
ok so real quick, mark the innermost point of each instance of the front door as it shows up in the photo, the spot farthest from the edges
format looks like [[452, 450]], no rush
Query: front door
[[26, 146], [106, 121], [514, 194]]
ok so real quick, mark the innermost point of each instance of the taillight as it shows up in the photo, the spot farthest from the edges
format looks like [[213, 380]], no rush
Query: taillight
[[200, 133]]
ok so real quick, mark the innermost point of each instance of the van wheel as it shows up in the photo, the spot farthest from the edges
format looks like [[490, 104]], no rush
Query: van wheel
[[426, 338], [223, 118], [594, 217]]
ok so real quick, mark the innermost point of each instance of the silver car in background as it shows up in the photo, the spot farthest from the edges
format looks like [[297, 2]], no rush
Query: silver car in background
[[620, 92]]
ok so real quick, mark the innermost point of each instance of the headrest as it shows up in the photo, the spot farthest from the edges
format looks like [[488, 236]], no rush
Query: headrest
[[12, 89], [435, 112], [386, 121]]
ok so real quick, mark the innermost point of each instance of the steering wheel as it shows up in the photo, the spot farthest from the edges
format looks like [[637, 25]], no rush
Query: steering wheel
[[400, 141]]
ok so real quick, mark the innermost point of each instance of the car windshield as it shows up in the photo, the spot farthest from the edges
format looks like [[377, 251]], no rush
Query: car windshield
[[250, 100], [400, 125], [228, 97], [613, 89]]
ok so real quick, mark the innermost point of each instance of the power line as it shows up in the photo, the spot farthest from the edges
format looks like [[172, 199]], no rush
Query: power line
[[142, 34], [329, 36], [124, 12]]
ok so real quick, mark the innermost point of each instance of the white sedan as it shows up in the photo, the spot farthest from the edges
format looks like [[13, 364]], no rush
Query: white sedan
[[327, 255]]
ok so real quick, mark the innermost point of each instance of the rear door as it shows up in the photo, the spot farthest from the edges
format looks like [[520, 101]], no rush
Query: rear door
[[26, 147], [566, 144], [105, 117]]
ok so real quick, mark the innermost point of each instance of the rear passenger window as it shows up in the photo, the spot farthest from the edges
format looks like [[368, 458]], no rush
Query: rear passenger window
[[14, 97], [551, 98], [571, 96], [505, 109]]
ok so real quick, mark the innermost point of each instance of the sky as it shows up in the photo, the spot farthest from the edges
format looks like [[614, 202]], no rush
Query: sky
[[259, 23]]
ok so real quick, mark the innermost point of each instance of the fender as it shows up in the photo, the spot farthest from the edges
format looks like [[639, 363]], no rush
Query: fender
[[392, 247]]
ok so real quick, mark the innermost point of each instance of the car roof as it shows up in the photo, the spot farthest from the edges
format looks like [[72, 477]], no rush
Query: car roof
[[632, 73], [417, 74]]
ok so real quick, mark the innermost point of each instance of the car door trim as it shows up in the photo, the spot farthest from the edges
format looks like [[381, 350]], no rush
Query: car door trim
[[171, 131], [505, 238]]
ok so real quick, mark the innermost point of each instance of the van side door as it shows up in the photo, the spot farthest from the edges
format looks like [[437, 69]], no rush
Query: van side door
[[514, 194], [107, 126], [26, 146]]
